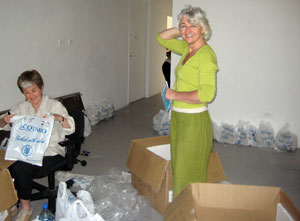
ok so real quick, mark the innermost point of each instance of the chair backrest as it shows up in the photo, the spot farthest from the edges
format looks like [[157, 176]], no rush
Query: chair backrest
[[75, 108]]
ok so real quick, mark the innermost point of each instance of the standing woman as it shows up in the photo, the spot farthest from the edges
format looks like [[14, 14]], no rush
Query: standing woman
[[195, 86]]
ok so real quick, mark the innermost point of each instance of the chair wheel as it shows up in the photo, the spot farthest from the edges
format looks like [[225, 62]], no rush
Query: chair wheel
[[83, 163]]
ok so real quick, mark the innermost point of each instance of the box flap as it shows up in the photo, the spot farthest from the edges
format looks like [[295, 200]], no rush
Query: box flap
[[234, 196], [215, 172], [8, 194], [227, 202], [182, 208], [289, 206], [4, 163], [146, 165]]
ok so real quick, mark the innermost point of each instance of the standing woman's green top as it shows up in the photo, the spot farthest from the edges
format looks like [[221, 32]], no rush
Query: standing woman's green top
[[197, 74]]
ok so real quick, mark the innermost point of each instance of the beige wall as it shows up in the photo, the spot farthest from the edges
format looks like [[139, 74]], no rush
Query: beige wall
[[76, 45], [258, 50]]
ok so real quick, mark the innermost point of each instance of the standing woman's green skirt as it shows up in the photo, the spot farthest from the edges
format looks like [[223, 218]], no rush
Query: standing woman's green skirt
[[191, 144]]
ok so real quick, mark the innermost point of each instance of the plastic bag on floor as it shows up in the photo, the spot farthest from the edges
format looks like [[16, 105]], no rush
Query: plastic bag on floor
[[216, 132], [80, 181], [251, 134], [73, 213], [285, 139], [161, 122], [106, 109], [64, 200], [116, 199], [70, 208], [101, 111], [241, 133], [227, 133], [93, 114], [87, 126], [265, 136]]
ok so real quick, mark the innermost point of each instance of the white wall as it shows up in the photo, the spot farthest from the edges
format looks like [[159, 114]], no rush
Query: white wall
[[258, 49], [77, 45]]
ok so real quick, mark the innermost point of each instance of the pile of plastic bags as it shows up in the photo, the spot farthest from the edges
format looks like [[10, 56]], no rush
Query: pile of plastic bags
[[113, 198], [99, 111], [248, 135]]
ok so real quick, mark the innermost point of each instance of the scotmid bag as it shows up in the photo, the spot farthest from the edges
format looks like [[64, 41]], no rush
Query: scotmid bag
[[29, 138]]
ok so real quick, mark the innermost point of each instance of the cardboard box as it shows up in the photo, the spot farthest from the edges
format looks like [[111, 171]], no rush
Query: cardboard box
[[152, 174], [8, 194], [207, 201]]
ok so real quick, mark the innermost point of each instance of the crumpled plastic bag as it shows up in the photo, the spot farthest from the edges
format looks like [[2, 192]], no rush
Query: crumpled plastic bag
[[71, 208], [79, 212], [265, 135], [161, 122], [99, 111], [87, 127], [227, 133], [251, 131], [216, 132], [285, 139], [241, 133]]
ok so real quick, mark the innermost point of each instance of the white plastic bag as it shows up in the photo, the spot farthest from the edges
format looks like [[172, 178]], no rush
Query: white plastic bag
[[251, 134], [87, 126], [101, 111], [87, 200], [73, 215], [64, 200], [93, 114], [241, 133], [216, 132], [285, 139], [265, 135], [70, 208], [227, 134], [161, 122], [106, 109], [29, 138]]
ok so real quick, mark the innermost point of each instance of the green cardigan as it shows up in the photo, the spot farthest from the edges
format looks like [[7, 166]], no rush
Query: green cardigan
[[198, 73]]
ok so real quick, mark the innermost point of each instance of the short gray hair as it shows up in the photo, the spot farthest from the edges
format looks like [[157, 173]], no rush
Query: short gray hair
[[28, 78], [195, 16]]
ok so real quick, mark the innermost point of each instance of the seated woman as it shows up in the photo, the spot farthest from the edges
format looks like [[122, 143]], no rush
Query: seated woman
[[39, 105]]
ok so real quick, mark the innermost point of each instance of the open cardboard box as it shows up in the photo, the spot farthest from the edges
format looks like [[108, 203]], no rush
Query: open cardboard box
[[152, 174], [207, 201], [8, 194]]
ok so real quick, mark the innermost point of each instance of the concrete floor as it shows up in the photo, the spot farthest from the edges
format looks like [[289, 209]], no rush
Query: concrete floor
[[110, 140]]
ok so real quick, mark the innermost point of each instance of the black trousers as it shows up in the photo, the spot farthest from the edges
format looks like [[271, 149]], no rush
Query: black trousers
[[24, 173], [166, 69]]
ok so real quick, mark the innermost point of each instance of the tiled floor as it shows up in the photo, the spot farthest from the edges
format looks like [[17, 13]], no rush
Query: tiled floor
[[110, 140]]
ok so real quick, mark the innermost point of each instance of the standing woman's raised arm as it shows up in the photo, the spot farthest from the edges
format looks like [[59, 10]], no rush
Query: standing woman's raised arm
[[169, 33]]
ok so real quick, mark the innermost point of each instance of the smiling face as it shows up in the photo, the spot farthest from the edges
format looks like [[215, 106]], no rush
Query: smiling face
[[192, 34], [33, 95]]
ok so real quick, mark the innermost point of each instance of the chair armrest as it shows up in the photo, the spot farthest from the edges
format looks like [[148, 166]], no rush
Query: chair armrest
[[71, 142]]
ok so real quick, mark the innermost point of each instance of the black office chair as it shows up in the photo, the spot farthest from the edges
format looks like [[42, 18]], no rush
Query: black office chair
[[74, 106]]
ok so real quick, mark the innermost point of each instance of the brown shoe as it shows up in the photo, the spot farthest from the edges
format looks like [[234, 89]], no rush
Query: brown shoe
[[24, 215]]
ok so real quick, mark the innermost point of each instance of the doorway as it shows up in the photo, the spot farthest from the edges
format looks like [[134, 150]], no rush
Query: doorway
[[137, 53]]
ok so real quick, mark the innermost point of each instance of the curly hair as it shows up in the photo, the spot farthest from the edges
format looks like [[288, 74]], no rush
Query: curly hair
[[195, 16]]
